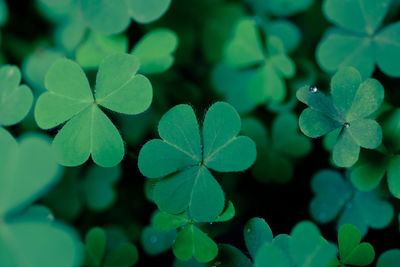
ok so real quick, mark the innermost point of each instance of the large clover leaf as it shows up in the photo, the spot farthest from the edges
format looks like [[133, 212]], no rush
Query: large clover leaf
[[15, 99], [276, 150], [21, 234], [336, 198], [245, 50], [183, 157], [356, 41], [348, 108], [88, 130]]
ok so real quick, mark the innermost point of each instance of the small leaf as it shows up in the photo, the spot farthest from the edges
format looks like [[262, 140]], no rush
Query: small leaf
[[147, 11], [389, 258], [125, 255], [256, 233], [95, 247]]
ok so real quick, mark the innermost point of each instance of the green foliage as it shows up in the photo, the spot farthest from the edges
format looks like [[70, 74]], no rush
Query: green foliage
[[351, 102], [337, 198], [88, 130], [184, 156], [356, 40], [351, 251], [282, 7], [245, 50], [21, 229], [97, 254], [15, 99], [389, 258], [276, 151]]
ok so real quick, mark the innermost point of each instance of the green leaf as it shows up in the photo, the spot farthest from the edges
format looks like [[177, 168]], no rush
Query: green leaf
[[223, 150], [393, 176], [88, 130], [332, 192], [389, 258], [368, 174], [22, 244], [245, 48], [191, 241], [125, 255], [98, 187], [155, 50], [355, 16], [15, 100], [308, 248], [95, 247], [351, 251], [336, 198], [39, 173], [387, 44], [106, 17], [227, 214], [256, 233], [164, 221], [98, 46], [270, 255], [3, 12], [36, 65], [147, 11], [286, 31], [191, 185]]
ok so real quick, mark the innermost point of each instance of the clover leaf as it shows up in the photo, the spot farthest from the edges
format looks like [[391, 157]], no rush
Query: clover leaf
[[276, 150], [155, 242], [93, 189], [15, 99], [183, 158], [304, 247], [88, 130], [36, 65], [22, 229], [389, 258], [97, 254], [351, 102], [245, 50], [155, 50], [114, 17], [190, 241], [336, 198], [351, 251], [369, 172], [98, 46], [356, 40]]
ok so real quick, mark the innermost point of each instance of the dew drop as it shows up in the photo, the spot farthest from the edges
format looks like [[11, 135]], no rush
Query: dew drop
[[346, 125], [313, 89], [153, 239]]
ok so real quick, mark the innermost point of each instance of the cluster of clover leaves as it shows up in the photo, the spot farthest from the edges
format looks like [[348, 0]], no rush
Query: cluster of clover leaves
[[182, 164]]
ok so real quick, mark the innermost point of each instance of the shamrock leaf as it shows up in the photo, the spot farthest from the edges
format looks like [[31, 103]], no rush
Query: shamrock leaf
[[15, 99], [190, 241], [183, 162], [114, 17], [351, 251], [336, 198], [256, 233], [230, 256], [275, 151], [245, 50], [21, 233], [389, 258], [155, 50], [348, 108], [356, 40], [88, 130], [97, 47], [36, 65], [97, 254], [93, 189]]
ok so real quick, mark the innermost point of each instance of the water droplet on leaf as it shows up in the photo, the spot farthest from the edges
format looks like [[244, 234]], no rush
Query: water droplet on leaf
[[346, 125], [313, 89]]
